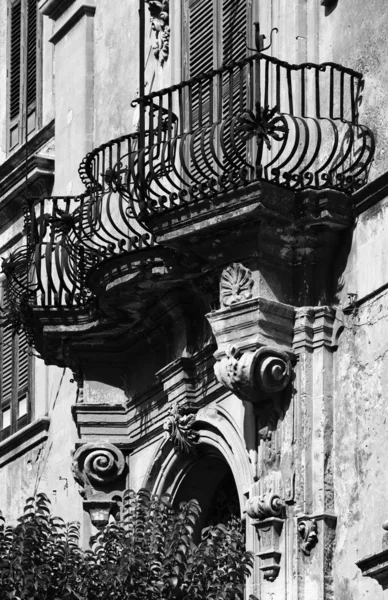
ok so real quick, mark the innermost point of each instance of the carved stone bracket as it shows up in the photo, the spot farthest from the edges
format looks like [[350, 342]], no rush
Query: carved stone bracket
[[254, 376], [235, 285], [97, 467], [308, 530], [178, 427], [160, 19], [263, 507], [266, 512]]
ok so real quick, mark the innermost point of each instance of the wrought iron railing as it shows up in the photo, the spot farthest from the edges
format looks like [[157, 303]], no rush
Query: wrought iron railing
[[259, 119]]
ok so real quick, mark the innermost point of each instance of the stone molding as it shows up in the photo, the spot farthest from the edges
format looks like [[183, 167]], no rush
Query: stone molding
[[376, 567], [252, 323], [24, 440], [315, 326], [254, 376], [86, 9]]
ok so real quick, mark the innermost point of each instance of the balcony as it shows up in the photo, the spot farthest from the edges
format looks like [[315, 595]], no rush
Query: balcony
[[257, 124]]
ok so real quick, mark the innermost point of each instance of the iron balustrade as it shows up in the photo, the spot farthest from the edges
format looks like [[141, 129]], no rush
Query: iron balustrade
[[259, 119]]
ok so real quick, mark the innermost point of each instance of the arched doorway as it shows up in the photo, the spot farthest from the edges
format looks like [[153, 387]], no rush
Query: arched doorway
[[210, 481]]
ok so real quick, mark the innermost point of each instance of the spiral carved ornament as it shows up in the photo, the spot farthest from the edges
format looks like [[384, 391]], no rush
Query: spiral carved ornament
[[263, 507], [97, 464], [255, 375]]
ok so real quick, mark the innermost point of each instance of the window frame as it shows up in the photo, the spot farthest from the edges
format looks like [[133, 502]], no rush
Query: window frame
[[16, 126]]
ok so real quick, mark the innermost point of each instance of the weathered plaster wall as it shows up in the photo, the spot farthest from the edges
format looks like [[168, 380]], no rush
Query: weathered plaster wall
[[353, 34], [360, 424]]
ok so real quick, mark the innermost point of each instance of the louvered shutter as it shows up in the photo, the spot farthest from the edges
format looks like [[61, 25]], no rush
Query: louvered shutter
[[217, 36], [6, 370], [15, 72], [202, 15], [32, 64], [14, 376], [234, 32], [23, 372]]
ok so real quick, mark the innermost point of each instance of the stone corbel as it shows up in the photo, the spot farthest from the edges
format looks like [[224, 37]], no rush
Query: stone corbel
[[254, 376], [267, 515], [97, 468], [308, 530], [160, 24]]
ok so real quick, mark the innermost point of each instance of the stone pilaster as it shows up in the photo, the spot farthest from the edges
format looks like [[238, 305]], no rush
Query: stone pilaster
[[314, 510]]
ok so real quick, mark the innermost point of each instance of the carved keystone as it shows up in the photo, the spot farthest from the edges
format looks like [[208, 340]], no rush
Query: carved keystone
[[96, 466], [265, 512], [254, 376], [178, 427]]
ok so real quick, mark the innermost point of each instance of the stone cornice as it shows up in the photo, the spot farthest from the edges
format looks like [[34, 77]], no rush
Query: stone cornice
[[376, 567], [20, 442], [87, 8], [13, 169], [54, 8]]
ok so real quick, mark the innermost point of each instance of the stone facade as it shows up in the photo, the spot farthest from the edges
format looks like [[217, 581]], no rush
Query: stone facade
[[241, 358]]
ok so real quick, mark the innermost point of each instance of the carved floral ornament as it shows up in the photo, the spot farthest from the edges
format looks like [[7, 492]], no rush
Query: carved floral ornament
[[308, 530], [178, 427], [235, 285], [253, 376], [160, 24]]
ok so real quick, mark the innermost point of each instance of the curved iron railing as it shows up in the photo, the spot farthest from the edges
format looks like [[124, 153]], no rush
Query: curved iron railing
[[295, 126], [257, 119]]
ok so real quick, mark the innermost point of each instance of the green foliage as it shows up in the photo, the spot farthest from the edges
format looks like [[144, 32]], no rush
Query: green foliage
[[148, 555]]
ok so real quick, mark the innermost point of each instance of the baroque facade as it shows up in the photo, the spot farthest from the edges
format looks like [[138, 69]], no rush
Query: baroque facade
[[194, 283]]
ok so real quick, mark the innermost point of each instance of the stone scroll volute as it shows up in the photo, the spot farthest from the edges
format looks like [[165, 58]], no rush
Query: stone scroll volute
[[254, 376], [99, 468]]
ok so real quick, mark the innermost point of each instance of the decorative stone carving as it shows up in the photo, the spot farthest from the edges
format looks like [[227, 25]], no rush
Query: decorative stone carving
[[160, 19], [95, 467], [255, 375], [266, 512], [308, 529], [235, 285], [178, 427], [263, 507]]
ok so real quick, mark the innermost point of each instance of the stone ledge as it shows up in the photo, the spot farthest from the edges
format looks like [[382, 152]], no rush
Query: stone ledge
[[376, 567], [33, 434]]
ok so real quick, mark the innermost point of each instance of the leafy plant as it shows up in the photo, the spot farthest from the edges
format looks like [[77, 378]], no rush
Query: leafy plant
[[149, 554]]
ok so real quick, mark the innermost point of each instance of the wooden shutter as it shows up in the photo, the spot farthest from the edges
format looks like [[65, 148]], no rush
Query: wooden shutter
[[234, 35], [14, 376], [234, 30], [31, 74], [201, 38], [6, 370], [22, 384], [15, 72]]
